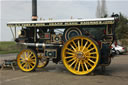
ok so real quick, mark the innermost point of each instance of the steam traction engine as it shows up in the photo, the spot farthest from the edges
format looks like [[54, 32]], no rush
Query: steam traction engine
[[81, 44]]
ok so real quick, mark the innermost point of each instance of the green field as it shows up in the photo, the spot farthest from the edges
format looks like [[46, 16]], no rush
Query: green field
[[9, 47], [12, 47]]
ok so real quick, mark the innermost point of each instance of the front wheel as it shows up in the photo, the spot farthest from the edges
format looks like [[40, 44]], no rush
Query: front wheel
[[27, 60], [80, 55]]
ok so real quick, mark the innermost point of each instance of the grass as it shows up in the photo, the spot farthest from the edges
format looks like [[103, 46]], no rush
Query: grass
[[9, 47]]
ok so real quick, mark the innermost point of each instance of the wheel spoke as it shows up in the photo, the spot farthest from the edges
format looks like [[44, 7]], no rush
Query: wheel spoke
[[72, 63], [91, 57], [78, 45], [22, 58], [78, 66], [28, 66], [73, 47], [91, 61], [31, 64], [89, 50], [22, 61], [71, 60], [25, 55], [70, 50], [32, 57], [82, 43], [33, 60], [29, 55], [74, 44], [69, 57], [93, 53], [84, 46], [86, 66], [82, 66], [89, 45], [70, 53], [25, 65]]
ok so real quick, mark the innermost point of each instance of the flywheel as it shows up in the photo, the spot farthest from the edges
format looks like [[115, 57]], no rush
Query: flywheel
[[71, 32]]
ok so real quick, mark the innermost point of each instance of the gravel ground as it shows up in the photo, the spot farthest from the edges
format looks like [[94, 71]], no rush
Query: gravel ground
[[116, 74]]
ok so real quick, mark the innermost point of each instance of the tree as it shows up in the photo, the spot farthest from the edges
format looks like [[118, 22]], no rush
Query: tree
[[122, 28], [98, 11], [101, 9]]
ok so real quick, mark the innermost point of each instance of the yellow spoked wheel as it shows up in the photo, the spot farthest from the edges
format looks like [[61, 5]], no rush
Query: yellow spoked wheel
[[80, 55], [43, 61], [27, 60]]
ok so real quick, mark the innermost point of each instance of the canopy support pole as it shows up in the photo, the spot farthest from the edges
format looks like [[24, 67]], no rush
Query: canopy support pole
[[12, 33]]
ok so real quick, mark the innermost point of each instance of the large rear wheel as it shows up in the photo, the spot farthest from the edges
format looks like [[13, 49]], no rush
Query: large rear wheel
[[80, 55], [27, 60]]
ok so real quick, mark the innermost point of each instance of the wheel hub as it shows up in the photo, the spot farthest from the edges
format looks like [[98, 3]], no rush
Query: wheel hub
[[27, 60], [80, 55]]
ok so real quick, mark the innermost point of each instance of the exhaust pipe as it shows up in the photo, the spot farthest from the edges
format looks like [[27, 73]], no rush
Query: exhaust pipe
[[34, 10]]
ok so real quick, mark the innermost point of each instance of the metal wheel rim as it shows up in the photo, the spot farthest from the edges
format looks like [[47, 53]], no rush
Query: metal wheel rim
[[27, 60], [78, 58]]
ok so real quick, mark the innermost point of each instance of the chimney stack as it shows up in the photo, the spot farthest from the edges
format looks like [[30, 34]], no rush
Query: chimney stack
[[34, 10]]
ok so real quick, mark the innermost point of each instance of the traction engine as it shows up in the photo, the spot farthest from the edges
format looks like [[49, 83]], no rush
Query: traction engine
[[80, 44]]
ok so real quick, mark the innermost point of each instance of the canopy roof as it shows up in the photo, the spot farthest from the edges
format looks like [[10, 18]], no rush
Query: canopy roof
[[63, 22]]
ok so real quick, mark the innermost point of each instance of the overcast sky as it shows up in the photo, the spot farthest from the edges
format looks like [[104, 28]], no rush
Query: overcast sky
[[20, 10]]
